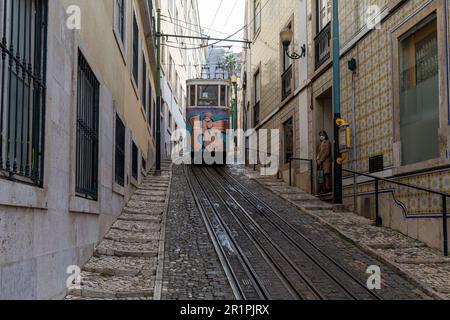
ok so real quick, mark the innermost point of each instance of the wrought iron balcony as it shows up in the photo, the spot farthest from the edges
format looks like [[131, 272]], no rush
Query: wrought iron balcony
[[322, 45]]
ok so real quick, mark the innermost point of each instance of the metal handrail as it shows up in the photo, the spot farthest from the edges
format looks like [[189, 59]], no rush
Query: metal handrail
[[377, 205]]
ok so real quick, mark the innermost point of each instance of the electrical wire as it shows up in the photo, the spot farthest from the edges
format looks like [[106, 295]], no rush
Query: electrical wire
[[215, 16], [227, 38]]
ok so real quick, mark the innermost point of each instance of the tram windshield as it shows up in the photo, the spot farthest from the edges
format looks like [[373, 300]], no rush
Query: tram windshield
[[207, 95]]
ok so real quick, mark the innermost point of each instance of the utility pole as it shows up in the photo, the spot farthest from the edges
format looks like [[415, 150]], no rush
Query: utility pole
[[158, 94], [337, 104]]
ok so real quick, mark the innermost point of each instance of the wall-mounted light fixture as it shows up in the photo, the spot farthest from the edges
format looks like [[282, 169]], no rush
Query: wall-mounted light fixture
[[286, 36]]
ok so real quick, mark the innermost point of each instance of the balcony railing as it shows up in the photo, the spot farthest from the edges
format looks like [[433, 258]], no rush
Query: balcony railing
[[322, 44], [286, 80]]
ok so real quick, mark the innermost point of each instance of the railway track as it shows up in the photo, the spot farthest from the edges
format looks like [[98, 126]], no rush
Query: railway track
[[298, 265]]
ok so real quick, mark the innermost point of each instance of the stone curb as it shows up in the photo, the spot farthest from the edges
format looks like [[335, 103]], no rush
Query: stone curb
[[162, 244], [407, 275]]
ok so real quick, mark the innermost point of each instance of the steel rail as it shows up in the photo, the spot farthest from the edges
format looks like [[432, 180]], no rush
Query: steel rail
[[279, 250], [311, 243], [231, 275]]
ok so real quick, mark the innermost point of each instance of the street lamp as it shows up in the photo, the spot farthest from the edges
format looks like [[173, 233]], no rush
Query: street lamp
[[234, 81], [286, 36]]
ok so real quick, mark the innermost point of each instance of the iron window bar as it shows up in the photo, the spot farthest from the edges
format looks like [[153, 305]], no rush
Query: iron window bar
[[322, 45], [87, 131], [22, 83]]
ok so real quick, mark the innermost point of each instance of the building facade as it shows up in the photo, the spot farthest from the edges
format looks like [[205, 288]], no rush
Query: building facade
[[76, 121], [275, 86], [395, 96], [181, 60]]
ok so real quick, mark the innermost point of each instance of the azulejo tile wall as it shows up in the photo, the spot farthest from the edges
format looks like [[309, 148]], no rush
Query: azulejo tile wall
[[374, 101]]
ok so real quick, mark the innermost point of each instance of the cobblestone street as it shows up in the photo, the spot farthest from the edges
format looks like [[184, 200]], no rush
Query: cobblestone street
[[192, 269]]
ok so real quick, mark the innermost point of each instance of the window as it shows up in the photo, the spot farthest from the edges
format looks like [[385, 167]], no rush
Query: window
[[286, 76], [144, 164], [288, 129], [120, 153], [324, 8], [135, 62], [120, 19], [169, 121], [257, 97], [207, 96], [149, 107], [322, 41], [154, 119], [192, 96], [22, 85], [87, 131], [419, 93], [223, 96], [134, 161], [257, 15], [144, 82]]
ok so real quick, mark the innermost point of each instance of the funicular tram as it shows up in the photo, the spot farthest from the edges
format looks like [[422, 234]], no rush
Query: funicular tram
[[208, 119]]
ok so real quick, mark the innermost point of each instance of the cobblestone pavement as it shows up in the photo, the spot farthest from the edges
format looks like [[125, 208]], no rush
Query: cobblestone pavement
[[404, 258], [125, 263], [192, 269]]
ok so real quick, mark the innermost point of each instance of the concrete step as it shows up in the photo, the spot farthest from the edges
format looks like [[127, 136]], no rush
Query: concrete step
[[139, 218], [121, 266], [99, 286], [127, 249], [140, 200], [124, 236], [141, 192], [138, 227], [156, 210]]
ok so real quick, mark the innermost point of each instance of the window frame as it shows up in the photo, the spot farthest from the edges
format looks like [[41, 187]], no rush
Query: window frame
[[135, 52], [92, 195], [397, 33], [256, 102], [21, 169], [121, 39]]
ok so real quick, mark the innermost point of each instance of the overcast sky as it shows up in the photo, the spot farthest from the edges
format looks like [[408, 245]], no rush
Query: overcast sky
[[224, 17]]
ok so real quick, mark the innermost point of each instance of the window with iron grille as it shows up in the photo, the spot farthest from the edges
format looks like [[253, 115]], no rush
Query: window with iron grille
[[134, 161], [144, 164], [120, 19], [87, 131], [144, 82], [23, 32], [376, 164], [149, 105], [135, 62], [120, 152], [257, 97]]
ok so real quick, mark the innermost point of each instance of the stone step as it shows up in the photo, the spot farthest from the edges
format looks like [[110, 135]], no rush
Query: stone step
[[124, 236], [138, 227], [156, 210], [139, 218], [99, 286], [125, 249], [140, 200], [140, 192], [316, 207], [122, 266]]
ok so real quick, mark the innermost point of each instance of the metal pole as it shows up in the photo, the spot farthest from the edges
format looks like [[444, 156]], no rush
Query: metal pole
[[377, 205], [336, 104], [445, 227], [158, 93], [355, 156]]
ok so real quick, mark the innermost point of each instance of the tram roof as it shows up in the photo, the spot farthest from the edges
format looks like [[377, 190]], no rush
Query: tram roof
[[208, 81]]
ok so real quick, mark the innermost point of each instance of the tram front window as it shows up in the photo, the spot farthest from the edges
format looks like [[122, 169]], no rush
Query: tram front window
[[208, 96]]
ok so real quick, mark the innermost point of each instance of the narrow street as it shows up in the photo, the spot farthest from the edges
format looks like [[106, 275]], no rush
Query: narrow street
[[260, 247]]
